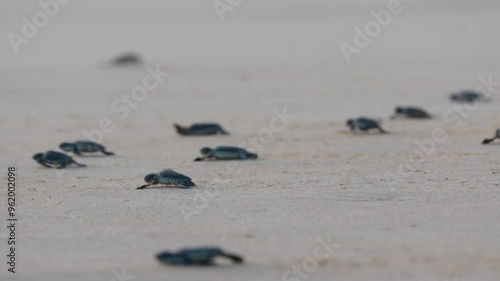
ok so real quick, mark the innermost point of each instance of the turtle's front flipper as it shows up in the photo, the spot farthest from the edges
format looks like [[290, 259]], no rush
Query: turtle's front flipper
[[181, 130], [381, 130], [76, 151], [107, 152], [251, 155], [144, 186], [234, 258], [200, 159], [486, 141], [186, 183]]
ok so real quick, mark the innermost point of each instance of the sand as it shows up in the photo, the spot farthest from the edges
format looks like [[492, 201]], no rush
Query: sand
[[313, 180]]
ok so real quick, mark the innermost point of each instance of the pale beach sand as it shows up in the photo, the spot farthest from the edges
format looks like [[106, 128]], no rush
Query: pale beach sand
[[313, 180]]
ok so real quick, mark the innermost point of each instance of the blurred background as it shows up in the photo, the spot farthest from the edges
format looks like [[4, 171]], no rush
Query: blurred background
[[258, 32]]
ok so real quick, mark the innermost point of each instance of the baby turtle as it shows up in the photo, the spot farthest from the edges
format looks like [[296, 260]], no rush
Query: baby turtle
[[196, 256], [467, 96], [168, 177], [497, 136], [200, 129], [364, 124], [225, 153], [54, 159], [411, 112], [126, 59], [84, 146]]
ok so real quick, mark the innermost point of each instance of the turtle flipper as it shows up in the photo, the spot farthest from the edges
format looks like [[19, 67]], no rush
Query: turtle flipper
[[106, 152], [486, 141], [200, 159], [144, 186], [381, 130], [234, 258], [181, 130], [76, 151], [189, 183]]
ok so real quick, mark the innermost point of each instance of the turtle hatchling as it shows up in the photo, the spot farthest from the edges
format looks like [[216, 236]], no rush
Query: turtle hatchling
[[54, 159], [411, 112], [168, 177], [364, 124], [196, 256], [225, 153], [467, 96], [201, 129], [79, 147], [126, 59], [497, 136]]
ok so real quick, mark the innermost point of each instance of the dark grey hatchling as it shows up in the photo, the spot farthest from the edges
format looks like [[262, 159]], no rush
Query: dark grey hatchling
[[497, 136], [200, 129], [84, 146], [196, 256], [411, 112], [225, 153], [364, 124], [54, 159], [168, 177], [127, 59], [468, 96]]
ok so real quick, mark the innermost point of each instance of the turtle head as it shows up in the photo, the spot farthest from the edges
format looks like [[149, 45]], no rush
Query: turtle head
[[350, 123], [169, 258], [66, 146], [251, 155], [150, 178], [400, 110], [181, 130], [206, 151], [38, 157]]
